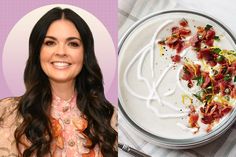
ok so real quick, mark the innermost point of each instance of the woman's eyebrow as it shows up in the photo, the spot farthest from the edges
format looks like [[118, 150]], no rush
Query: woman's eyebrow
[[51, 37], [68, 39], [72, 38]]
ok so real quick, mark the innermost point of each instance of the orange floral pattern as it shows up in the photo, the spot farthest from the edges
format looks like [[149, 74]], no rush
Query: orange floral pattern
[[68, 124]]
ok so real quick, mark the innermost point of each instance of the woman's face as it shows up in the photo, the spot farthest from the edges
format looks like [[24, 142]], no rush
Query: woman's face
[[62, 52]]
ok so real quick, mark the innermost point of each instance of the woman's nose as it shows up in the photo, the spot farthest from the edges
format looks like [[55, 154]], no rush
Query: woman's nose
[[61, 50]]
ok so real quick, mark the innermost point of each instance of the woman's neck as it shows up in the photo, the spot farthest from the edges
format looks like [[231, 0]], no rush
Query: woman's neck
[[63, 90]]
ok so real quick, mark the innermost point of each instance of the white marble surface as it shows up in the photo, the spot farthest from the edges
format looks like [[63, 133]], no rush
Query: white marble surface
[[129, 12]]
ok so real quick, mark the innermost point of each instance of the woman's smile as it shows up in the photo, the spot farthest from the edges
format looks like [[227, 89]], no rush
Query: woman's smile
[[62, 52], [61, 64]]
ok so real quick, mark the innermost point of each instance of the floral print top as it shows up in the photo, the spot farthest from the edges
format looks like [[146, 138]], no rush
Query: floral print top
[[68, 124]]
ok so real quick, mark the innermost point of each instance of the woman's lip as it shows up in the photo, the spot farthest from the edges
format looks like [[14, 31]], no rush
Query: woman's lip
[[60, 64]]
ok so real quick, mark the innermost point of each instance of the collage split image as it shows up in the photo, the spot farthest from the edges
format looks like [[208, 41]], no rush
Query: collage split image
[[117, 78]]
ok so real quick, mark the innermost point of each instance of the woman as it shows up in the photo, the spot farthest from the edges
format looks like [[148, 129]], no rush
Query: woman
[[64, 111]]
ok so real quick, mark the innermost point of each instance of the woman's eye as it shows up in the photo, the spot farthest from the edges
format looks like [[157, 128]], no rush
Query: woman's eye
[[49, 43], [74, 44]]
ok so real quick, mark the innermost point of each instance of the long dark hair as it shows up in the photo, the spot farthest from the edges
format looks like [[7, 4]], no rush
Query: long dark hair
[[34, 105]]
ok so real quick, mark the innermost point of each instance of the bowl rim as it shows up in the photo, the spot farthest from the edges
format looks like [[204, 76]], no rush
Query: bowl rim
[[167, 142]]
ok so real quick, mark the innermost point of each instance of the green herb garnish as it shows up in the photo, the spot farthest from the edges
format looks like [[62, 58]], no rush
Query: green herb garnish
[[220, 58], [216, 50], [224, 69], [174, 35], [227, 77], [186, 70], [208, 27], [215, 72], [200, 80], [217, 38], [234, 78], [208, 97], [232, 52], [227, 97], [197, 49], [198, 97], [209, 88]]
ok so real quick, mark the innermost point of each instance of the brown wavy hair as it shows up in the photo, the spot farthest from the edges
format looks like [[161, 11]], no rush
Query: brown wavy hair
[[34, 105]]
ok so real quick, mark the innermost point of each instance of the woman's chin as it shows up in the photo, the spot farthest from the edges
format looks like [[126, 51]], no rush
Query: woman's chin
[[61, 79]]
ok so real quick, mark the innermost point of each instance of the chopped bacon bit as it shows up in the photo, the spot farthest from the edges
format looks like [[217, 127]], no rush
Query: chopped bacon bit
[[187, 76], [190, 73], [209, 127], [175, 30], [175, 41], [184, 32], [219, 76], [201, 32], [205, 51], [183, 22], [206, 54], [161, 42], [190, 84], [179, 47], [203, 36], [210, 34], [231, 70], [199, 55], [213, 111], [233, 64], [233, 93], [175, 58], [212, 63], [220, 86], [209, 42], [220, 81], [198, 69], [195, 41], [207, 79], [170, 41], [226, 110], [193, 117]]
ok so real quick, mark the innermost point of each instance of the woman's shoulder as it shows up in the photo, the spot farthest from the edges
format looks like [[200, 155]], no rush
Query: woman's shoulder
[[8, 104], [8, 124], [9, 101], [8, 108]]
